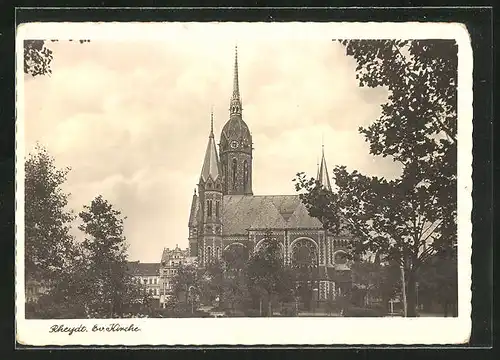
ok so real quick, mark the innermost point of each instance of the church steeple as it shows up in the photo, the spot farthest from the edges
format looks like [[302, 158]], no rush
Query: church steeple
[[236, 146], [211, 166], [235, 105], [323, 171]]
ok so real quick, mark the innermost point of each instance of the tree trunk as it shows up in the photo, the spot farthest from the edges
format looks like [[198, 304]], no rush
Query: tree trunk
[[270, 307], [411, 293], [260, 306]]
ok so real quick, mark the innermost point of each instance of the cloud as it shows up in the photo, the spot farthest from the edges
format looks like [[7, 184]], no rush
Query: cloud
[[132, 121]]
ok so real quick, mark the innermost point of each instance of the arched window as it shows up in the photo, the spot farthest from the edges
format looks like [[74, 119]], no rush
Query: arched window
[[209, 254], [218, 252], [209, 208], [217, 209], [245, 174], [235, 169]]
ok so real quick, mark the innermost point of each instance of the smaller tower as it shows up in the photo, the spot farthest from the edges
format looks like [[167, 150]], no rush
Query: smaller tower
[[210, 200]]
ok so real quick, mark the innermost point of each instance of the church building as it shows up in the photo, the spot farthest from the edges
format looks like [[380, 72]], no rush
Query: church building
[[226, 214]]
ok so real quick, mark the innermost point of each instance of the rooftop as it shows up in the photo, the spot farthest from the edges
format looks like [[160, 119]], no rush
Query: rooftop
[[143, 269]]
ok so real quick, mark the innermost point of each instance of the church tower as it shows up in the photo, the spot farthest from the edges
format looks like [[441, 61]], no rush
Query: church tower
[[210, 202], [236, 146]]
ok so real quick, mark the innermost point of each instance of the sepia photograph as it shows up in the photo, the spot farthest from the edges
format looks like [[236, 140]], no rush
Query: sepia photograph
[[198, 175]]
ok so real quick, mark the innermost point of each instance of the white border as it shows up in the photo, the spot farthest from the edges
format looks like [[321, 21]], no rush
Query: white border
[[262, 331]]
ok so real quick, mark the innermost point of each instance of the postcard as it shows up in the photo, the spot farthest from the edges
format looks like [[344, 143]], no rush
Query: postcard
[[243, 183]]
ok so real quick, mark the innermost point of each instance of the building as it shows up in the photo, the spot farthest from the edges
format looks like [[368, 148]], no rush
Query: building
[[147, 274], [171, 260], [226, 214]]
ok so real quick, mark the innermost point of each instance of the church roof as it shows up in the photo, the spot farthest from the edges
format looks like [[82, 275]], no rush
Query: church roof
[[268, 216], [301, 219], [244, 212]]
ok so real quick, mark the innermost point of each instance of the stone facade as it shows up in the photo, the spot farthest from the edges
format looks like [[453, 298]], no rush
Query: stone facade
[[225, 213]]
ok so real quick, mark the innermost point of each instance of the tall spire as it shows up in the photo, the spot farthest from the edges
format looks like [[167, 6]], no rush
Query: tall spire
[[235, 107], [323, 171], [212, 122], [236, 86], [210, 167]]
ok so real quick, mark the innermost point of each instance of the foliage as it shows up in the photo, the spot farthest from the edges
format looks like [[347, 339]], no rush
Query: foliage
[[409, 219], [49, 247], [375, 280], [418, 124], [38, 57], [189, 285], [266, 275], [109, 286], [438, 279]]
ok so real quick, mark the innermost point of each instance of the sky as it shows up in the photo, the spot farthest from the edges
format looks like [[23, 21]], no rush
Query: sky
[[132, 118]]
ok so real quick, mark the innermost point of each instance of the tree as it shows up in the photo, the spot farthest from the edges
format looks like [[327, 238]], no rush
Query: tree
[[105, 250], [438, 280], [418, 124], [38, 57], [409, 219], [49, 247], [265, 272], [376, 281], [188, 279]]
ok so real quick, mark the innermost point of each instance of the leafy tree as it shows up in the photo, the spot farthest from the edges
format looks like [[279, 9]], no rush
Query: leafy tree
[[418, 124], [38, 57], [438, 280], [375, 280], [105, 249], [49, 247], [266, 273], [235, 291], [188, 279], [409, 219]]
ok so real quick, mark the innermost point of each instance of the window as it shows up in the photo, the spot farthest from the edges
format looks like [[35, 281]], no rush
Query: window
[[156, 281], [150, 281], [217, 209], [209, 254], [245, 174], [235, 169], [209, 208], [218, 252]]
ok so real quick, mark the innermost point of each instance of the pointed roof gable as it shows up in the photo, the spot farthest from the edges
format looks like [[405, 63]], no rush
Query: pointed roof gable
[[211, 166], [301, 219], [194, 210], [268, 216]]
